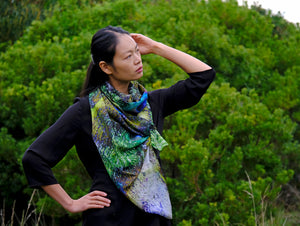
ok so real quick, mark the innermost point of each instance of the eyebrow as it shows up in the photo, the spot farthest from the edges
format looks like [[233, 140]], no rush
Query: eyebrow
[[128, 51]]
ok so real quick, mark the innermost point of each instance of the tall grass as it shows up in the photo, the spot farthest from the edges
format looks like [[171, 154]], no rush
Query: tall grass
[[280, 217], [30, 216]]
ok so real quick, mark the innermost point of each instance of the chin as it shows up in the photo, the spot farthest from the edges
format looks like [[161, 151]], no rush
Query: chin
[[137, 77]]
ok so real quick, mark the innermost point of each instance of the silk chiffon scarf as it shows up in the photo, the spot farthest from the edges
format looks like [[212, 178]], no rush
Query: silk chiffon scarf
[[125, 136]]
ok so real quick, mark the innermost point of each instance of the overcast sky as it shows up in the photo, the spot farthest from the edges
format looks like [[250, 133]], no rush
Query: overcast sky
[[290, 9]]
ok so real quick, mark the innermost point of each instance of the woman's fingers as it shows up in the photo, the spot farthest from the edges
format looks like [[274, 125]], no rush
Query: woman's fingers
[[100, 193], [145, 44], [99, 198], [95, 199]]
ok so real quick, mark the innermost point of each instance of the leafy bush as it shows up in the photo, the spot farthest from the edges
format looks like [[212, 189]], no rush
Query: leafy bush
[[16, 16], [215, 145]]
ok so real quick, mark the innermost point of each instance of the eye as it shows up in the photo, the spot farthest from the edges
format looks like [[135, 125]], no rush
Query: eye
[[128, 56]]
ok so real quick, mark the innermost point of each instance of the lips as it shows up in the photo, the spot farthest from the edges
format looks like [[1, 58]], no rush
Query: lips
[[140, 69]]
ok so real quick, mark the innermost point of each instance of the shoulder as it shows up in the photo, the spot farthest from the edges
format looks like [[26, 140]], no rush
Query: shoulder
[[82, 102], [74, 113], [84, 111]]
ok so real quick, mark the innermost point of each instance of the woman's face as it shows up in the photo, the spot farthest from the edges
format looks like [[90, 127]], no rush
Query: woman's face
[[127, 62]]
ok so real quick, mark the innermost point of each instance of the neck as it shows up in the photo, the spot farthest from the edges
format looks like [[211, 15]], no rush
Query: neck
[[122, 87]]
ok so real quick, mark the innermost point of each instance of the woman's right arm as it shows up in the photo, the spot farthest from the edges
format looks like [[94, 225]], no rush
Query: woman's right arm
[[95, 199], [47, 150]]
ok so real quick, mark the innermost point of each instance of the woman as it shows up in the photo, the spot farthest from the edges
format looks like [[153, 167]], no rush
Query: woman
[[116, 126]]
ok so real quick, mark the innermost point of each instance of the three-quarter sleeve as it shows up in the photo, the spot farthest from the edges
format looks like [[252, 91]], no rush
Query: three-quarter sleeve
[[183, 94], [50, 147]]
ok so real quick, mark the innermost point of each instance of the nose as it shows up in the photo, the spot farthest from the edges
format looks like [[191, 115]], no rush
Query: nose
[[137, 58]]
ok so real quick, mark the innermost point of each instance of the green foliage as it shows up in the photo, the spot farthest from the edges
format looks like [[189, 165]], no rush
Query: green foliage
[[248, 128], [12, 180], [284, 93], [15, 16], [213, 147]]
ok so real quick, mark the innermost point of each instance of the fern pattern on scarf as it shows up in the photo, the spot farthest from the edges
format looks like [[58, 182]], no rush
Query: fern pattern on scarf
[[125, 136]]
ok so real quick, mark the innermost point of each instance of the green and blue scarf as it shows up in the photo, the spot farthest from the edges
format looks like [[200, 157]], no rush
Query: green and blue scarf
[[125, 136]]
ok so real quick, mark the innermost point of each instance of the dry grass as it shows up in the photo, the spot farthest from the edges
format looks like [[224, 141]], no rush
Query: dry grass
[[280, 217], [30, 216]]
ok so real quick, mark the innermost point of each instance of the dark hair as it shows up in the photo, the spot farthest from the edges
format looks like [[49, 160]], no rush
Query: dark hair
[[103, 48]]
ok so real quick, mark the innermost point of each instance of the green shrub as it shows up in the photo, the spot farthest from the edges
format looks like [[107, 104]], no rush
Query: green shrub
[[12, 179], [214, 147], [15, 16]]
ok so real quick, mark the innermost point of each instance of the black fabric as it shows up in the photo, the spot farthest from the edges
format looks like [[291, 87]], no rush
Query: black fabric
[[74, 128]]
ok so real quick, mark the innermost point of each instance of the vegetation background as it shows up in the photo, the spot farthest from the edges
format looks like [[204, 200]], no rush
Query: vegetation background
[[233, 159]]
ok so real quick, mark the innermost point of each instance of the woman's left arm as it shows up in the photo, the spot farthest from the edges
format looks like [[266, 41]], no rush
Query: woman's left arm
[[187, 62]]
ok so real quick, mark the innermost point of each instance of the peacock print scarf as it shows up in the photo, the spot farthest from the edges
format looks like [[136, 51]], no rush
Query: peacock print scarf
[[125, 136]]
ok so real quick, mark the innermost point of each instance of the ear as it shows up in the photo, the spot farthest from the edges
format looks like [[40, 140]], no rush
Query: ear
[[105, 67]]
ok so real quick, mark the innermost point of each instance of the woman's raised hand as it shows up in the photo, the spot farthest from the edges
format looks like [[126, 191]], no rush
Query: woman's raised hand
[[144, 43]]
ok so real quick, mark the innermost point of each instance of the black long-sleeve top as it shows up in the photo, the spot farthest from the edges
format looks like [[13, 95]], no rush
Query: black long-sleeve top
[[74, 127]]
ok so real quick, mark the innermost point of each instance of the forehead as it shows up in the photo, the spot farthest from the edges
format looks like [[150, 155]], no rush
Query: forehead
[[125, 44]]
